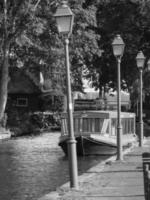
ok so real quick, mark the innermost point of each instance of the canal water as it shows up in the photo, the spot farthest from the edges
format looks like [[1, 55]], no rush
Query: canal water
[[31, 167]]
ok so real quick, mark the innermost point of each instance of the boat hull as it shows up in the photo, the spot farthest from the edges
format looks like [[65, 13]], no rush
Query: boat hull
[[88, 146]]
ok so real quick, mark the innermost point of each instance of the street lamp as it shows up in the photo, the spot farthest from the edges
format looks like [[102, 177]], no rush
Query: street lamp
[[140, 59], [64, 18], [118, 49]]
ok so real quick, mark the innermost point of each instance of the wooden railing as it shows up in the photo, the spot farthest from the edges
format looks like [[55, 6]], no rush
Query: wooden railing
[[128, 125], [86, 124]]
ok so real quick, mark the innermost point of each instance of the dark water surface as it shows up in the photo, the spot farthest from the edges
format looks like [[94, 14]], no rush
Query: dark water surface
[[31, 167]]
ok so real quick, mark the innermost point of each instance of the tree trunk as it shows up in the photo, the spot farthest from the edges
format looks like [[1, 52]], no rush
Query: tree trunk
[[4, 67], [4, 81]]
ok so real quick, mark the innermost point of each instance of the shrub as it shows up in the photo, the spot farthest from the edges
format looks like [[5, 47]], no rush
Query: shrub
[[44, 120]]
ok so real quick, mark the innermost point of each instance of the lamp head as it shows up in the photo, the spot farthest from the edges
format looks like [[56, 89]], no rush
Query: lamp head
[[64, 18], [118, 46], [140, 59]]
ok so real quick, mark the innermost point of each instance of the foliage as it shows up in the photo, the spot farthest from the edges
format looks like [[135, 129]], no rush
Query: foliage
[[84, 46], [20, 123], [44, 120], [135, 93], [25, 38], [54, 104], [40, 42], [129, 19], [29, 40], [135, 88], [146, 81], [31, 123]]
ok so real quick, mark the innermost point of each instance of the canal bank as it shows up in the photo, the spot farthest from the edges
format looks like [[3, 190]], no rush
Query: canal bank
[[109, 180], [4, 133]]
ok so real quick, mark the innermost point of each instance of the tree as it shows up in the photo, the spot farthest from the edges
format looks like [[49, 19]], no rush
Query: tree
[[83, 45], [130, 19], [18, 20], [9, 31], [29, 37]]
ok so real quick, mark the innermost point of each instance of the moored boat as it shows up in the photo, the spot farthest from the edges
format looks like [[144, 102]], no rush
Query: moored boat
[[95, 132]]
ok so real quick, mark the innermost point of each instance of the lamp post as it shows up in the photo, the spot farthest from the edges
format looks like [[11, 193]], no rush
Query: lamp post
[[118, 49], [64, 18], [140, 59]]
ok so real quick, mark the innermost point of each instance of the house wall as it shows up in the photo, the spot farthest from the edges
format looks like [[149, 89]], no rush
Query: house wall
[[24, 102]]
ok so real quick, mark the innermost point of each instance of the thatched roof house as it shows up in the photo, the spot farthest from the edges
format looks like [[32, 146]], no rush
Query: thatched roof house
[[27, 90]]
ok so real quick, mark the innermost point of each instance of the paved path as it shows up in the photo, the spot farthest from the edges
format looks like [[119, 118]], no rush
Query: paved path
[[112, 180]]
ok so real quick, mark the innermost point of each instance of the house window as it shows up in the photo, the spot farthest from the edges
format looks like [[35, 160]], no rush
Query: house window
[[22, 102]]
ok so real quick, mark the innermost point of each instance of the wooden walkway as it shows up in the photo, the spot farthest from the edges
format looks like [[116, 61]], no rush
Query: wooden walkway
[[112, 180]]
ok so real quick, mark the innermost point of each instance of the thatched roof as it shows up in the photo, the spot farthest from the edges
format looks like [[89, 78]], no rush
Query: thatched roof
[[21, 83], [29, 83]]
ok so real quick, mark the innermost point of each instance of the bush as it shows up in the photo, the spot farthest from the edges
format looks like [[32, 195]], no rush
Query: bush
[[14, 117], [45, 120], [34, 123], [23, 126]]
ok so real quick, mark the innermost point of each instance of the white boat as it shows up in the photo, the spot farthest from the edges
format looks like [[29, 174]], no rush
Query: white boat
[[95, 132]]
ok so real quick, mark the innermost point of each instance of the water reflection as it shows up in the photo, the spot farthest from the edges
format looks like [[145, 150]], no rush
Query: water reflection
[[33, 166]]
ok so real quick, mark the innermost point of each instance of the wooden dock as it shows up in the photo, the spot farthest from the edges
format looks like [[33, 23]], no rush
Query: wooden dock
[[112, 180]]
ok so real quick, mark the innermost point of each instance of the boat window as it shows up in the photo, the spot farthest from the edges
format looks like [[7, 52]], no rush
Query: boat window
[[97, 125], [128, 120], [127, 125], [92, 125], [105, 127], [114, 127], [64, 127], [87, 124], [124, 126], [132, 125], [77, 124]]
